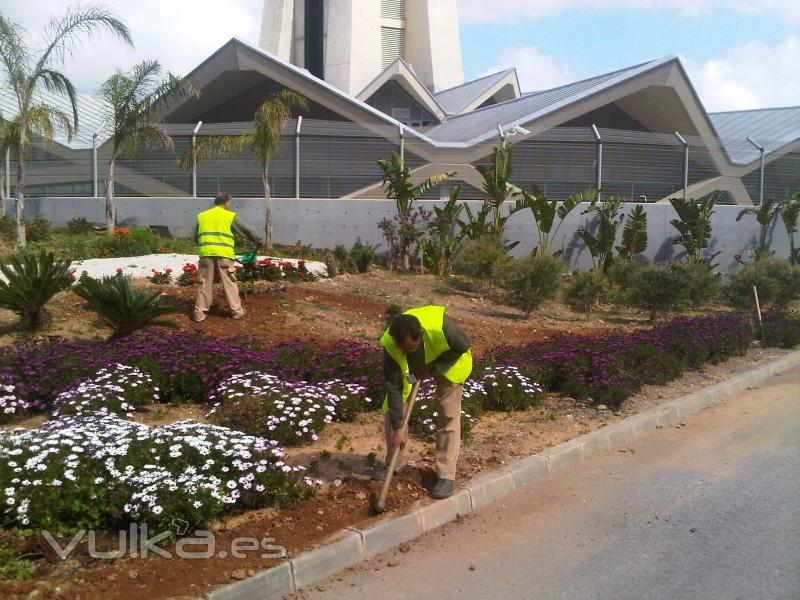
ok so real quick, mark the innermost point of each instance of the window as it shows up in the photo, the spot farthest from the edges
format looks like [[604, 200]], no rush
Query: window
[[314, 33]]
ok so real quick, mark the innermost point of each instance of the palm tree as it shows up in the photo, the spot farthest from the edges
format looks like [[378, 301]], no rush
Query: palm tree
[[133, 102], [766, 215], [269, 121], [4, 144], [790, 214], [496, 186], [27, 74]]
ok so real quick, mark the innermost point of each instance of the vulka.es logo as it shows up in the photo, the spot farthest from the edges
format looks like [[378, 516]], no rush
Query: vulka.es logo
[[136, 543]]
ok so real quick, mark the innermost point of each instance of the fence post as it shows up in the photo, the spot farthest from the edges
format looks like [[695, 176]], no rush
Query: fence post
[[94, 165], [297, 157], [402, 144], [685, 162], [599, 182], [194, 158], [8, 172]]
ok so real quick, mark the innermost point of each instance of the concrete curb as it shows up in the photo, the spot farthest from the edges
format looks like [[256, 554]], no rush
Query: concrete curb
[[356, 544]]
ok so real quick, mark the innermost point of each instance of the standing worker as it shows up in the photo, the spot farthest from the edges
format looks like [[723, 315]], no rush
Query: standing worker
[[214, 236], [426, 341]]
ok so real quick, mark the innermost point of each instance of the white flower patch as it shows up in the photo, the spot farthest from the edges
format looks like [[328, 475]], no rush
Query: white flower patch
[[293, 412], [11, 405], [118, 389], [126, 468]]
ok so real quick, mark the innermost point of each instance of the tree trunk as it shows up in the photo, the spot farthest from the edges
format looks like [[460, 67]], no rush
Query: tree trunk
[[2, 191], [111, 207], [20, 220], [268, 209]]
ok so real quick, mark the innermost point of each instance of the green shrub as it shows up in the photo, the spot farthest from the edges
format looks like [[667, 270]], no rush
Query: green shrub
[[118, 389], [7, 226], [699, 283], [79, 226], [331, 264], [622, 272], [37, 230], [122, 308], [128, 241], [31, 281], [777, 281], [342, 258], [476, 258], [586, 289], [529, 281], [13, 566], [656, 289], [362, 255]]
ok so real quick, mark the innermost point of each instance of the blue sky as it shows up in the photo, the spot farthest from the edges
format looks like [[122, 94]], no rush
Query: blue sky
[[740, 54]]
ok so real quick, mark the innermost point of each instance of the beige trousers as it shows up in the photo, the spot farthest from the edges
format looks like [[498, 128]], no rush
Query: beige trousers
[[225, 269], [448, 428]]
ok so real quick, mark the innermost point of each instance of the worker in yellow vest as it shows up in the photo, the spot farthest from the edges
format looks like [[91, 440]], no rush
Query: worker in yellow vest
[[215, 238], [426, 341]]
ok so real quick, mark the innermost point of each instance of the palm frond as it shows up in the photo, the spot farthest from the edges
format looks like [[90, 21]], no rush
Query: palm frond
[[61, 33], [271, 118], [44, 120], [215, 146], [14, 56]]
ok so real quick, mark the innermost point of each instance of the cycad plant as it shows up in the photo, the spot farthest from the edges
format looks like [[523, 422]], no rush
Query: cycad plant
[[694, 225], [269, 121], [31, 280], [124, 309], [133, 102], [545, 211], [634, 233], [26, 75]]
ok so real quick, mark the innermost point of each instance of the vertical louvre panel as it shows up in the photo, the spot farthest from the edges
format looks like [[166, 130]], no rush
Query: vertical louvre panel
[[393, 45], [393, 9]]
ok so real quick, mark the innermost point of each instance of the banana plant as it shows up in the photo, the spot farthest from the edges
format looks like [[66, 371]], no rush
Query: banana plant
[[790, 215], [443, 237], [766, 214], [477, 224], [601, 242], [693, 224], [496, 186], [634, 233], [545, 211]]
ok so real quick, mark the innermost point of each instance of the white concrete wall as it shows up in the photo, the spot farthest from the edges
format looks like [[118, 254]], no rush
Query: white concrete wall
[[433, 43], [277, 28], [352, 43], [323, 223]]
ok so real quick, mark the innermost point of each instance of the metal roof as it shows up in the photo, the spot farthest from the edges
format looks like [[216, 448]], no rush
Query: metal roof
[[479, 123], [770, 127], [456, 99]]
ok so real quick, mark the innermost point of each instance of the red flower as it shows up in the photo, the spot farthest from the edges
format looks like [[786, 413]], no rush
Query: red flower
[[168, 271], [119, 270]]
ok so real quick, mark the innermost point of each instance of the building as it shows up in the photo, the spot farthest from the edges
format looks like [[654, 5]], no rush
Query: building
[[384, 77]]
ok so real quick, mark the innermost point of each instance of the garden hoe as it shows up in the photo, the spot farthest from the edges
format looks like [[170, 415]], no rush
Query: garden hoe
[[380, 506]]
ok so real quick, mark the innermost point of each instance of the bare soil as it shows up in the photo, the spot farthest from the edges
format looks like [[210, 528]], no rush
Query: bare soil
[[346, 307]]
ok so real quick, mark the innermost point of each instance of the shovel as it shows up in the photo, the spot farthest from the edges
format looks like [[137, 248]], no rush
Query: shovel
[[380, 506]]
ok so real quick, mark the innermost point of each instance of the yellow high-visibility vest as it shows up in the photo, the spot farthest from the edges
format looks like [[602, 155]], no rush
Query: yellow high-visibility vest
[[215, 237], [435, 344]]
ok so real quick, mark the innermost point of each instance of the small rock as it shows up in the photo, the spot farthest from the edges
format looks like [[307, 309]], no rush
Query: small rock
[[133, 574], [112, 577], [361, 496], [602, 407], [320, 512], [337, 482], [35, 595], [239, 574], [693, 529], [393, 563], [472, 567], [405, 548], [251, 572]]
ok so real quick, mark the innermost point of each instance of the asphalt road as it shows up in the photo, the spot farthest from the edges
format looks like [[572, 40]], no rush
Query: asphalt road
[[709, 511]]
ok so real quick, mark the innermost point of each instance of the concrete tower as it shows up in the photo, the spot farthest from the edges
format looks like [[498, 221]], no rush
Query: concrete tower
[[348, 43]]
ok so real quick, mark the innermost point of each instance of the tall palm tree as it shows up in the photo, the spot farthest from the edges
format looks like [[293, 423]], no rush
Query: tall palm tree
[[27, 74], [134, 101], [269, 121]]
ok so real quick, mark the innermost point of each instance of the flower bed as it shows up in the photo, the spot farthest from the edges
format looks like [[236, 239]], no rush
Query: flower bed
[[609, 368], [100, 471]]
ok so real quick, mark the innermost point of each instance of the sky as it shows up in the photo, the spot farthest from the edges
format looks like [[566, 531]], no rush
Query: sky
[[740, 54]]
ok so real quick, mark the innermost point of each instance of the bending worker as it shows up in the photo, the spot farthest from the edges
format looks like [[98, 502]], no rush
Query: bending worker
[[426, 341], [214, 236]]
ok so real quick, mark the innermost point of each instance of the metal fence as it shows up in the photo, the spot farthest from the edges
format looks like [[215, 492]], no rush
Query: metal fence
[[333, 159]]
